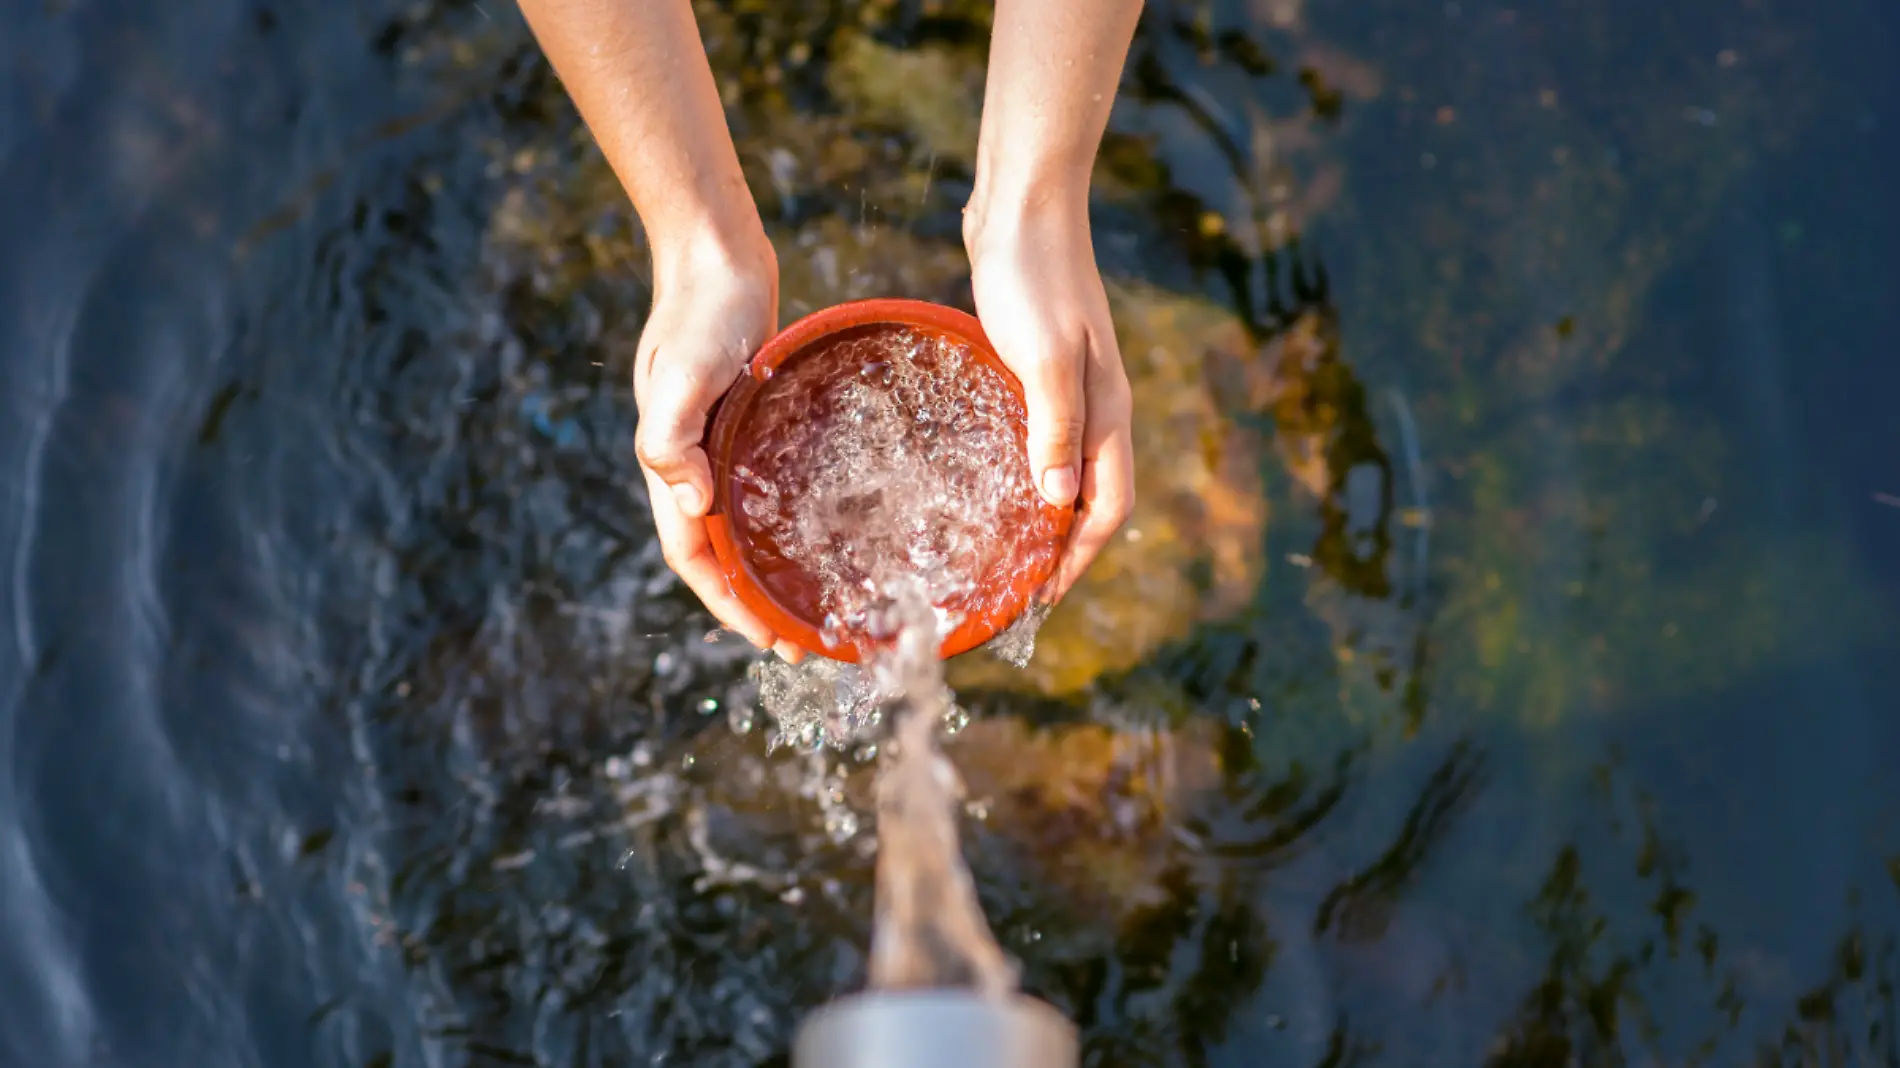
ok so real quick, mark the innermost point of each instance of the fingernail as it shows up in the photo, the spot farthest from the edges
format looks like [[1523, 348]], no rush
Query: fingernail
[[788, 652], [687, 495], [1058, 485]]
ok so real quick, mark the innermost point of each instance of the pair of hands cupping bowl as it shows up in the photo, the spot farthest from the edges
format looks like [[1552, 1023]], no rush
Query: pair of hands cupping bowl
[[638, 74]]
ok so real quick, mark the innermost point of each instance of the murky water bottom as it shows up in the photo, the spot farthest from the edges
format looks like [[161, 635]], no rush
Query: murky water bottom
[[349, 717]]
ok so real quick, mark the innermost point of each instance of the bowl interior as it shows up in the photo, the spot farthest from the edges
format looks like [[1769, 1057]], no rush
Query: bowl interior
[[776, 440]]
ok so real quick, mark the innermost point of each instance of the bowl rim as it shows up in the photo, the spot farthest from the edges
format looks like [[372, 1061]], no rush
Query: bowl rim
[[722, 428]]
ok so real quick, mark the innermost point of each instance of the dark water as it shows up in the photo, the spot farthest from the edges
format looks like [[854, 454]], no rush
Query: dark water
[[351, 719]]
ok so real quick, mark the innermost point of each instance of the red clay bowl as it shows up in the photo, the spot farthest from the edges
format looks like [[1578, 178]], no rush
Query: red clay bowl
[[786, 597]]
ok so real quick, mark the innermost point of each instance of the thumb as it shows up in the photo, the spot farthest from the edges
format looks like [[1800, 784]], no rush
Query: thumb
[[667, 440], [1053, 392]]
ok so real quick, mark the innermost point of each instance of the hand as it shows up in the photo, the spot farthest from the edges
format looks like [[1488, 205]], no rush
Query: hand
[[711, 312], [1040, 298]]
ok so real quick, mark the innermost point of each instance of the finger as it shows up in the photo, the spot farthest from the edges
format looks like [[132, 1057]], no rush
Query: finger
[[1052, 389], [788, 652], [689, 553], [672, 423], [1108, 497]]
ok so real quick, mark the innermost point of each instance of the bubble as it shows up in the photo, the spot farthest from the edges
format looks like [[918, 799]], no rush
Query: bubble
[[955, 718], [841, 825], [739, 718]]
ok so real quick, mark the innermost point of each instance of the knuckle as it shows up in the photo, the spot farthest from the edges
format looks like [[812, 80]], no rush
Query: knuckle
[[1058, 350], [1115, 399], [1063, 430], [1057, 357], [1113, 507], [646, 452], [658, 452], [671, 557], [1041, 352]]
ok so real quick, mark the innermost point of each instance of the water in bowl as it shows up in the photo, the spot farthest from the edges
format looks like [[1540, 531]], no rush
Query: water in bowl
[[883, 453]]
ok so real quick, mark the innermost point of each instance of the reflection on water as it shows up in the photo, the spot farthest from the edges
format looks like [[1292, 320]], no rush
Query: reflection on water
[[1492, 672]]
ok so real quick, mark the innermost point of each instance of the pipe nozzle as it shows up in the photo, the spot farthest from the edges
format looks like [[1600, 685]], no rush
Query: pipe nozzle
[[947, 1028]]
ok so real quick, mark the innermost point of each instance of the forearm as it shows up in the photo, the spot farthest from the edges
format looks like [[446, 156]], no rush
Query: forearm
[[637, 71], [1054, 68]]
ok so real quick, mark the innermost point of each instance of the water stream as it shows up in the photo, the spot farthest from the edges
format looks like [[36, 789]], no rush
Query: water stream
[[885, 480]]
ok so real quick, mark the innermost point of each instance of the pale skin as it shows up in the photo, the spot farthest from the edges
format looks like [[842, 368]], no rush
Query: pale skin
[[637, 71]]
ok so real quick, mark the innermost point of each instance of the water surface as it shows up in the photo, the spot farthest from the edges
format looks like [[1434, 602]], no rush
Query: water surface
[[1500, 668]]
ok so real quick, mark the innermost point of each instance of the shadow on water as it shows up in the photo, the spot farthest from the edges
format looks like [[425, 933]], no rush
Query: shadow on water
[[1490, 673]]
